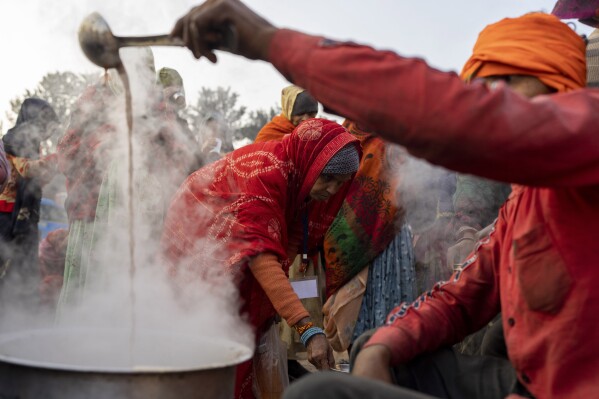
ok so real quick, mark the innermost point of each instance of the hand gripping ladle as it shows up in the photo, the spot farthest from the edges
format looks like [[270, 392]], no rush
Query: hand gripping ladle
[[102, 47]]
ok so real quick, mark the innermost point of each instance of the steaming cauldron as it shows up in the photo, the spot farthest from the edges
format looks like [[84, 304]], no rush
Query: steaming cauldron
[[86, 363]]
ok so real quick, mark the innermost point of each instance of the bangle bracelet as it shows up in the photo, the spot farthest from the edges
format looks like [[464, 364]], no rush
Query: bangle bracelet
[[310, 332], [302, 329]]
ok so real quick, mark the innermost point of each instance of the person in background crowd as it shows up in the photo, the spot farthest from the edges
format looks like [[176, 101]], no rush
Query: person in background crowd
[[172, 104], [172, 88], [431, 244], [52, 253], [593, 60], [586, 11], [297, 105], [21, 198], [216, 138], [476, 202], [85, 152], [94, 158], [4, 168], [546, 145], [369, 265], [251, 213]]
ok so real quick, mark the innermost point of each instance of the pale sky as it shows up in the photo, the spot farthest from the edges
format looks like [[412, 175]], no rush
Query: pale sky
[[41, 36]]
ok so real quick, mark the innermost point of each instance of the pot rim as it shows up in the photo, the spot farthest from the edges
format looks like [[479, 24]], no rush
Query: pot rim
[[241, 353]]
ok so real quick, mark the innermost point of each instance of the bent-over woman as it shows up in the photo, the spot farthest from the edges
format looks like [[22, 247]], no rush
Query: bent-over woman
[[252, 212]]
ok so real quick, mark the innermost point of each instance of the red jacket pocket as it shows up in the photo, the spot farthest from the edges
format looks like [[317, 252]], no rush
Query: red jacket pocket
[[541, 272]]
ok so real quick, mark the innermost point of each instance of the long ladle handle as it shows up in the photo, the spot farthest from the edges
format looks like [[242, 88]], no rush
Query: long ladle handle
[[141, 41], [228, 31]]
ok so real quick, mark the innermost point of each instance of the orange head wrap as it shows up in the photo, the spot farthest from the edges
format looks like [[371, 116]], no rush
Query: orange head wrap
[[535, 44]]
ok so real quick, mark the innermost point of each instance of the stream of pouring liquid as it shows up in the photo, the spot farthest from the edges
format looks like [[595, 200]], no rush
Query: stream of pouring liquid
[[131, 225]]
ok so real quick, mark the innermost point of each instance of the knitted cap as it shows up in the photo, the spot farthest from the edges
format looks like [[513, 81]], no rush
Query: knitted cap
[[304, 104], [169, 77], [344, 162]]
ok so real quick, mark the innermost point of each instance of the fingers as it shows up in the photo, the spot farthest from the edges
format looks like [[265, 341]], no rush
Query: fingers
[[193, 30], [177, 30], [321, 360], [331, 358], [194, 40], [227, 25]]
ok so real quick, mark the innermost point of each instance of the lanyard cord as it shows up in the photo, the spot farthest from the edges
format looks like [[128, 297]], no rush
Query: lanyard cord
[[304, 265]]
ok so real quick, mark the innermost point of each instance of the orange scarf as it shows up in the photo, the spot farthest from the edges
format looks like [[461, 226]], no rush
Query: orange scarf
[[275, 130], [536, 45]]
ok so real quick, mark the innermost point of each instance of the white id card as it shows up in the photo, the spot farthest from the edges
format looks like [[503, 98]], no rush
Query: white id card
[[306, 287]]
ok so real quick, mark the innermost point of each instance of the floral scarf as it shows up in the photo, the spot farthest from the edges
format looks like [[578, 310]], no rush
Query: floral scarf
[[369, 217]]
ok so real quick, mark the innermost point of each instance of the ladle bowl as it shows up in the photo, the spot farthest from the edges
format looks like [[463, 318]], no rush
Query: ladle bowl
[[102, 47]]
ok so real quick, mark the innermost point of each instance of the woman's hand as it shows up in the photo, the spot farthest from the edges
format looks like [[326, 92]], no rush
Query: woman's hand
[[227, 25], [320, 353]]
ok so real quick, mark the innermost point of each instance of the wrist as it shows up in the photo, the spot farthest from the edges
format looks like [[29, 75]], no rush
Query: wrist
[[309, 334], [303, 325], [265, 39]]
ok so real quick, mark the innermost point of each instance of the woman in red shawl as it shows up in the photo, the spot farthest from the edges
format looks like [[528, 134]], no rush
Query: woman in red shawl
[[248, 213]]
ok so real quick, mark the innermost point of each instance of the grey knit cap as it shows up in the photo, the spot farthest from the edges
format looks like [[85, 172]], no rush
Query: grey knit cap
[[344, 162], [304, 104]]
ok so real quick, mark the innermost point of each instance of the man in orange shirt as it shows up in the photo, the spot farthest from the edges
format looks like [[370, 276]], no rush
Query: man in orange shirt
[[538, 265]]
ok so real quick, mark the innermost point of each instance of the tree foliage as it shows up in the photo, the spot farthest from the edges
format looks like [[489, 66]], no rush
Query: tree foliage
[[256, 119], [62, 89], [220, 103], [59, 89]]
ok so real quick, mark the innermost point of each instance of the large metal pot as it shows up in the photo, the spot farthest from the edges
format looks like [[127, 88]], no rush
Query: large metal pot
[[85, 363]]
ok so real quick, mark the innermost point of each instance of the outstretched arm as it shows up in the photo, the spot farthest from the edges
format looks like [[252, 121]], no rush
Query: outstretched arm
[[444, 316], [268, 272], [547, 141]]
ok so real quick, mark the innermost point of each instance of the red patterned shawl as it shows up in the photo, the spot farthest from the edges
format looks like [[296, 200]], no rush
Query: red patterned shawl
[[250, 202]]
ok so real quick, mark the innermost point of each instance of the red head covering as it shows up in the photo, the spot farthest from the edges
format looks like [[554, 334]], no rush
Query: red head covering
[[535, 45], [251, 201]]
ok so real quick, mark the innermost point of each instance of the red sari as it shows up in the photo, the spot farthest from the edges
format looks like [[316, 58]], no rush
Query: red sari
[[251, 202]]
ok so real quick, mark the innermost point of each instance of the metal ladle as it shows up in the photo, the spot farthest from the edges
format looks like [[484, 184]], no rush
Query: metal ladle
[[102, 47]]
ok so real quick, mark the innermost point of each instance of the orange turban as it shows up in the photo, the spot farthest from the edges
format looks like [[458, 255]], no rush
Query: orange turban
[[535, 44]]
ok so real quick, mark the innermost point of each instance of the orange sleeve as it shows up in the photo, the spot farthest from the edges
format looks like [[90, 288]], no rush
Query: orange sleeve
[[274, 130], [268, 272]]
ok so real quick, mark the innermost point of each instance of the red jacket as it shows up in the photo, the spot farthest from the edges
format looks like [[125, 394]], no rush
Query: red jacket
[[541, 263]]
